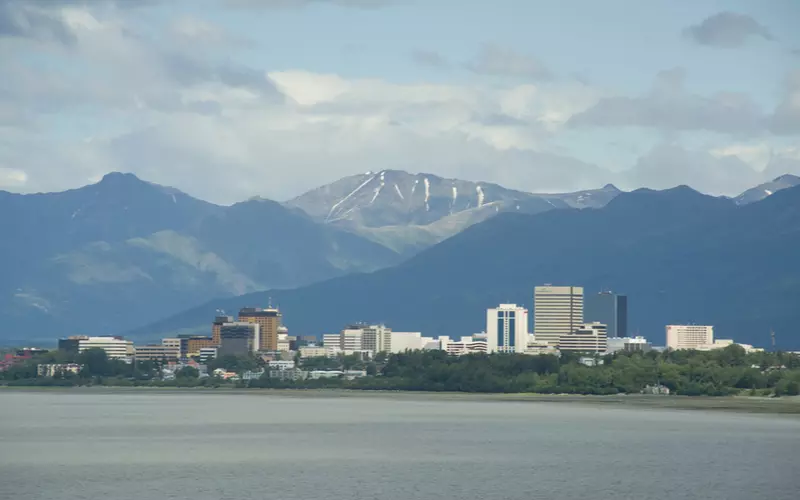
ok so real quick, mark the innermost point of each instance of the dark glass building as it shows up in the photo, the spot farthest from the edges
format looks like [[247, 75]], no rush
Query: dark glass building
[[610, 309]]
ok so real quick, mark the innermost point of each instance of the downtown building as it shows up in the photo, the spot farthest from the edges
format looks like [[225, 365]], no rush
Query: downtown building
[[359, 338], [239, 338], [558, 310], [610, 309], [269, 322], [154, 352], [587, 338], [689, 336], [507, 329], [115, 347]]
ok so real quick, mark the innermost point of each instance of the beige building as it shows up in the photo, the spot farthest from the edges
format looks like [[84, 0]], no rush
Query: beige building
[[268, 320], [376, 338], [172, 342], [312, 351], [590, 337], [689, 336], [156, 352], [558, 310]]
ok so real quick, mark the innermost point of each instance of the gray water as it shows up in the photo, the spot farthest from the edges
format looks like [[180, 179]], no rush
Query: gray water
[[143, 445]]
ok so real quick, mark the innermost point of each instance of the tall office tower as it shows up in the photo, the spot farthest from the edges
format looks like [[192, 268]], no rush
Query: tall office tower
[[268, 320], [558, 310], [239, 338], [216, 325], [610, 309], [507, 329], [689, 336]]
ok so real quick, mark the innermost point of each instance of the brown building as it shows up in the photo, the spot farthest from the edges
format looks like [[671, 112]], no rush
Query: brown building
[[191, 344], [268, 320], [216, 327]]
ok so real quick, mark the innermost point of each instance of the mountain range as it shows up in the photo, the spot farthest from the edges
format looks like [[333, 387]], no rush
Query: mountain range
[[408, 212], [122, 253], [680, 256]]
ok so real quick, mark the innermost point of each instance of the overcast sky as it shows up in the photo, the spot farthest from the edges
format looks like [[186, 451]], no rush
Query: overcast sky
[[227, 99]]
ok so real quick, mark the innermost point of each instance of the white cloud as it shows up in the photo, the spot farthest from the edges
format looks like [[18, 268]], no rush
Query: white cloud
[[115, 99], [12, 178], [668, 165]]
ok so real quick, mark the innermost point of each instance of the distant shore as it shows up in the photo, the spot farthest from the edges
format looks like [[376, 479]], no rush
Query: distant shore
[[740, 404]]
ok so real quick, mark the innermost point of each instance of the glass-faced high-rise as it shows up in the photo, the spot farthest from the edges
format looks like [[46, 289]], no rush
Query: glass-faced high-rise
[[507, 329], [611, 310]]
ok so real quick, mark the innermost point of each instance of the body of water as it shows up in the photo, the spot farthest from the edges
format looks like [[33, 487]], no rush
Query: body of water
[[195, 445]]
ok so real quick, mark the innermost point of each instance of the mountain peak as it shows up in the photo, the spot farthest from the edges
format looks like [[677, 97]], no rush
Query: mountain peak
[[119, 177], [787, 178], [762, 191]]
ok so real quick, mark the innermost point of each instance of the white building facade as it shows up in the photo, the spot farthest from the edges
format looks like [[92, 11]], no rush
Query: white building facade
[[689, 336], [507, 329]]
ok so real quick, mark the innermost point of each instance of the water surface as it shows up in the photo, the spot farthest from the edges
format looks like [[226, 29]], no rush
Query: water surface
[[173, 445]]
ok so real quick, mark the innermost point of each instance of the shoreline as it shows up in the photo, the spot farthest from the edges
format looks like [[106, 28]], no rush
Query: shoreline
[[789, 406]]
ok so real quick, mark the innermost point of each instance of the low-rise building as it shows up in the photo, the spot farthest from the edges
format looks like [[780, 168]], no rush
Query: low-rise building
[[466, 345], [252, 374], [312, 351], [281, 364], [589, 337], [628, 344], [539, 348], [55, 369], [171, 342], [723, 343], [318, 374], [290, 374], [114, 346], [207, 353], [191, 344], [156, 352]]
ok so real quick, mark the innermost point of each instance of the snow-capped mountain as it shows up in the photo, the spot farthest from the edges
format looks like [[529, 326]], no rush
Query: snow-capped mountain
[[768, 188], [408, 211]]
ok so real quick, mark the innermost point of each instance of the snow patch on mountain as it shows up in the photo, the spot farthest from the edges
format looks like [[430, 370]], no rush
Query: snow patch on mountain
[[397, 189], [339, 203], [379, 188], [427, 193], [481, 196]]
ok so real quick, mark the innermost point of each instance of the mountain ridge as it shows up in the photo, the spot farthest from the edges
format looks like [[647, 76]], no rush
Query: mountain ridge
[[722, 265]]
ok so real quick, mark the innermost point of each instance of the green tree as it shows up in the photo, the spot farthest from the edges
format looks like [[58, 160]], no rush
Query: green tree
[[187, 372]]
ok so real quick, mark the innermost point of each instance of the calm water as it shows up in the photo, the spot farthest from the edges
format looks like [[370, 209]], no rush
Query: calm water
[[253, 446]]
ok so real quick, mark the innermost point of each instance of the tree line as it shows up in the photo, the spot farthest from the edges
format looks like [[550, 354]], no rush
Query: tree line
[[721, 372]]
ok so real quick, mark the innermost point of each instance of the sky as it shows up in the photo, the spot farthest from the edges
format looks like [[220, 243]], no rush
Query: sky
[[230, 99]]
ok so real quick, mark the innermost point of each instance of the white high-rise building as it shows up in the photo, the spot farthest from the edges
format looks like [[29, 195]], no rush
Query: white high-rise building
[[507, 329], [558, 310], [376, 338], [689, 336]]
